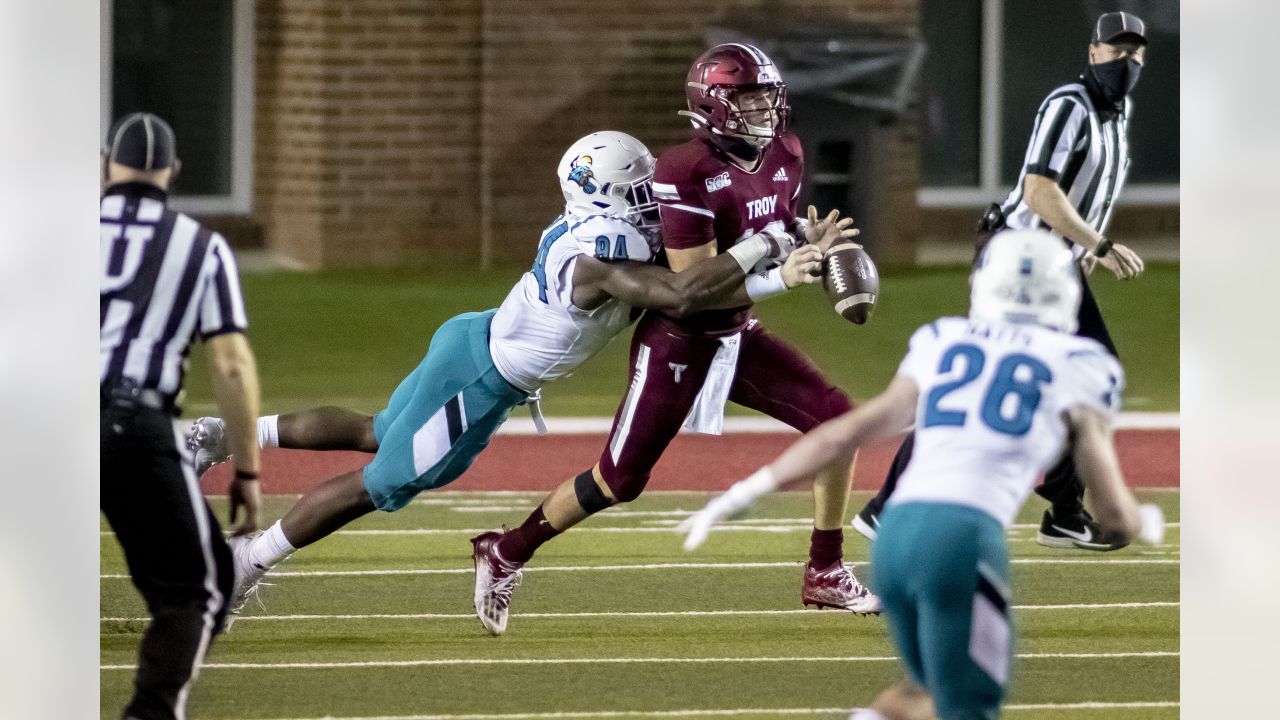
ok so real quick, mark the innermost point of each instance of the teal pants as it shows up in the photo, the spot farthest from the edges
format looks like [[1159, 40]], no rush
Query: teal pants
[[441, 416], [942, 572]]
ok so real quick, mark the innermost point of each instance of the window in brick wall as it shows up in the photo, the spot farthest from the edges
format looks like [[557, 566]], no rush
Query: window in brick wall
[[192, 64], [950, 91]]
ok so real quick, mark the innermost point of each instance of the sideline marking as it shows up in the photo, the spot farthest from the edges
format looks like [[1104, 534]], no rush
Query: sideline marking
[[630, 661], [767, 425], [637, 614], [776, 525]]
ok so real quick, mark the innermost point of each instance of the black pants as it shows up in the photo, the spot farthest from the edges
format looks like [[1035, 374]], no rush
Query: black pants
[[176, 554], [1061, 486]]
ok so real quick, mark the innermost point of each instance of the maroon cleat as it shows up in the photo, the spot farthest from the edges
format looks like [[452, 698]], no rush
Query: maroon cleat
[[495, 579], [836, 587]]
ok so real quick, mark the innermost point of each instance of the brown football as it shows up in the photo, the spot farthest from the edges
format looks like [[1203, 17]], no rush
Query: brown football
[[851, 281]]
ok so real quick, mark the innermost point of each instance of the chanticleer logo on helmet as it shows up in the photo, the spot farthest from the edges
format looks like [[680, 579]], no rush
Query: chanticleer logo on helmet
[[582, 175]]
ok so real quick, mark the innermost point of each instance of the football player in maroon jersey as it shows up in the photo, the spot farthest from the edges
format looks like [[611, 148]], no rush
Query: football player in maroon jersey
[[738, 177]]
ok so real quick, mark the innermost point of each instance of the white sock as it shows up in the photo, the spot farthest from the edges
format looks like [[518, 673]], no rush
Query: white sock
[[269, 431], [866, 714], [270, 547]]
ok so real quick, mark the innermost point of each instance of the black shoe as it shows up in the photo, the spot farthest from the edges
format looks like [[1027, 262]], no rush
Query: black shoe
[[867, 521], [1076, 530]]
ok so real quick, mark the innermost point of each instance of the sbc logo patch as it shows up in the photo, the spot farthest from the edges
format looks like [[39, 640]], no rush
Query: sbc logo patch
[[718, 182]]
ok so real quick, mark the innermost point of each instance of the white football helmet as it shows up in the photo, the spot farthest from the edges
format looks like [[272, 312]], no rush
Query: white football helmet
[[611, 173], [1026, 276]]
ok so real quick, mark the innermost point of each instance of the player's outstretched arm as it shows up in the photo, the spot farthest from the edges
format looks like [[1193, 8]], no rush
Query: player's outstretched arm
[[701, 285], [1113, 506], [884, 415]]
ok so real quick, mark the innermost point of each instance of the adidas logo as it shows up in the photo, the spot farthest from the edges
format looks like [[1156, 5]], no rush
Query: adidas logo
[[781, 175]]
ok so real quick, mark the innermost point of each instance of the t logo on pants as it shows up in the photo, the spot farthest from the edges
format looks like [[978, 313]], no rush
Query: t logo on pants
[[677, 368]]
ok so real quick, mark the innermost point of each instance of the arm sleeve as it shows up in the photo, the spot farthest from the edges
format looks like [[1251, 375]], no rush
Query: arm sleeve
[[221, 304], [1092, 378], [686, 220], [919, 362], [1058, 127]]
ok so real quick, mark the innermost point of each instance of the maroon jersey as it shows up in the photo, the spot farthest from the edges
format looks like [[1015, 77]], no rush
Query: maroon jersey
[[703, 196]]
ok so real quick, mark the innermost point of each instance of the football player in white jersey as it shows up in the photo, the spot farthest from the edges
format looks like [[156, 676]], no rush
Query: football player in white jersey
[[592, 268], [994, 399]]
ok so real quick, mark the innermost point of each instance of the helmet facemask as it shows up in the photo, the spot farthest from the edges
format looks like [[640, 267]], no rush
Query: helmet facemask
[[756, 114], [642, 208]]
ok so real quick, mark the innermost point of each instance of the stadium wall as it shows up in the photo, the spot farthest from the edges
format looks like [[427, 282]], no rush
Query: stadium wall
[[406, 132]]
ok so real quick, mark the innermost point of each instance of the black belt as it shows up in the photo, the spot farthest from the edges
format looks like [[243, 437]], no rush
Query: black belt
[[129, 396]]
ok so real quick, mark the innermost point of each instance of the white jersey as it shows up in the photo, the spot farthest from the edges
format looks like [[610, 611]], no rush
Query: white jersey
[[539, 335], [989, 420]]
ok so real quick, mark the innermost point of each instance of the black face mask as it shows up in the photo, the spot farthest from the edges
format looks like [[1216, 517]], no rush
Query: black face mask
[[1114, 80]]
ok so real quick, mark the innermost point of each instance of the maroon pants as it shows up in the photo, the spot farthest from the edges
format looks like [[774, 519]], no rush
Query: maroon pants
[[668, 368]]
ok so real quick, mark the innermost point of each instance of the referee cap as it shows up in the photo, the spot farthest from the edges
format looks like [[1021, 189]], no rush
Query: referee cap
[[141, 141], [1113, 26]]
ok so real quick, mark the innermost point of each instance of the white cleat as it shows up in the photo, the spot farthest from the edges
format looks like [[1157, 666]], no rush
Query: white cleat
[[207, 438], [248, 575], [496, 578]]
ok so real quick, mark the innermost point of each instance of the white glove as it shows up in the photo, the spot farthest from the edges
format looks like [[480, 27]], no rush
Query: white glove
[[734, 501], [1152, 532]]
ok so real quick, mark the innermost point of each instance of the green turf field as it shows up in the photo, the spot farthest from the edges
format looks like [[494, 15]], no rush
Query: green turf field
[[621, 642], [348, 338]]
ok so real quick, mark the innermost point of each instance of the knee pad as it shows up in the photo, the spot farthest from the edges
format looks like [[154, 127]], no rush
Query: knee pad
[[590, 497]]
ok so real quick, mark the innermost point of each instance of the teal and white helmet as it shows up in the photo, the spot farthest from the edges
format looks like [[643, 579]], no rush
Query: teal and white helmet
[[610, 173], [1026, 276]]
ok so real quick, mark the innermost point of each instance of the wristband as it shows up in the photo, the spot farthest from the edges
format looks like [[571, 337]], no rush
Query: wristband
[[1102, 249], [246, 474], [750, 251], [766, 284]]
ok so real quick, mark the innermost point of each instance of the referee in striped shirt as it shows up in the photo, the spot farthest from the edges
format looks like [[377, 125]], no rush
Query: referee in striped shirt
[[164, 281], [1076, 164]]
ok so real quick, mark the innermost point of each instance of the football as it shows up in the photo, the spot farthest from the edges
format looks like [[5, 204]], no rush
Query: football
[[851, 281]]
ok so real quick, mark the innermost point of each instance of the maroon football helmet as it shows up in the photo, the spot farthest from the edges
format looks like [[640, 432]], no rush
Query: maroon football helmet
[[734, 90]]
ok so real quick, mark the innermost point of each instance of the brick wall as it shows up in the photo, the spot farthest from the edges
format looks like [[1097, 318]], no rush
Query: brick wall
[[419, 132]]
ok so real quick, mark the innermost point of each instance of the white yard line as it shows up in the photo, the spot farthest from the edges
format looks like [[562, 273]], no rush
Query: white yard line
[[638, 614], [631, 661], [717, 712], [667, 566]]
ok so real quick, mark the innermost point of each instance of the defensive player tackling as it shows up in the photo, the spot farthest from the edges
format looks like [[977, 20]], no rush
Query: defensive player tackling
[[591, 269], [736, 179], [994, 399]]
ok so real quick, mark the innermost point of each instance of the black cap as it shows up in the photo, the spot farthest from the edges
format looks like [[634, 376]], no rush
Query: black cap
[[1114, 26], [141, 141]]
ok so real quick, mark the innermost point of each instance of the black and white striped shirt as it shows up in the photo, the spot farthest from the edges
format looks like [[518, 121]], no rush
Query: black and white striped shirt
[[1083, 149], [164, 279]]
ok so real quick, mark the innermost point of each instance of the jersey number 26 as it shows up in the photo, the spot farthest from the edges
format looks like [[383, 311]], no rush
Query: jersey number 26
[[1022, 394]]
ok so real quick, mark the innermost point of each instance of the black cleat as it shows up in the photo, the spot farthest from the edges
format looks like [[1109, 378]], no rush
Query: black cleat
[[867, 521], [1074, 530]]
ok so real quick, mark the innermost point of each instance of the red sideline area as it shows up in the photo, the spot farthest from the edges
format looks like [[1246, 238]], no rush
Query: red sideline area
[[693, 462]]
